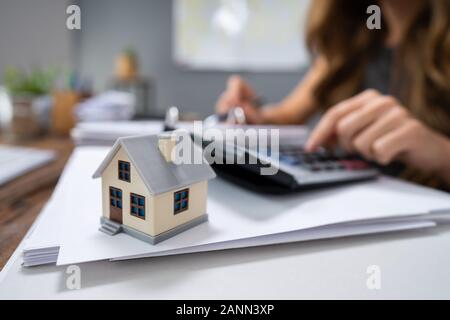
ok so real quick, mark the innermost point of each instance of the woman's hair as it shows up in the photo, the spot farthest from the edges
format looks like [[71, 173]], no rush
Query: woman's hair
[[337, 31]]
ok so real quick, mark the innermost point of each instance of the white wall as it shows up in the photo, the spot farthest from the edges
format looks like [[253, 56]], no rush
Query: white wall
[[109, 26], [33, 33]]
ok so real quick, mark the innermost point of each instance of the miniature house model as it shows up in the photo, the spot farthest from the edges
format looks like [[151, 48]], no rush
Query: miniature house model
[[147, 195]]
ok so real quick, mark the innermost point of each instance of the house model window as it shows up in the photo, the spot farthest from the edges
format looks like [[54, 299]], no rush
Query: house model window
[[124, 171], [137, 206], [181, 201]]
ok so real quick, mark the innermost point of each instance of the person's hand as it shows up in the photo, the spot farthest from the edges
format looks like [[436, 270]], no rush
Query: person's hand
[[240, 94], [380, 129]]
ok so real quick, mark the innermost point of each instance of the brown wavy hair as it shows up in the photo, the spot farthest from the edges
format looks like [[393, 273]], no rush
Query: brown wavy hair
[[337, 31]]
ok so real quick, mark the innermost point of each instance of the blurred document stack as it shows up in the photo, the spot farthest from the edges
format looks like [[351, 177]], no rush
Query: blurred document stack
[[106, 133]]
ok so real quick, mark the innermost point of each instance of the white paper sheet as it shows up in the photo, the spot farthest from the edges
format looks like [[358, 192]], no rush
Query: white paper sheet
[[47, 229], [335, 231], [234, 213]]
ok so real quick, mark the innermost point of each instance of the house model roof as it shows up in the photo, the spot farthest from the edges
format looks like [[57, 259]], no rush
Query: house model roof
[[158, 175]]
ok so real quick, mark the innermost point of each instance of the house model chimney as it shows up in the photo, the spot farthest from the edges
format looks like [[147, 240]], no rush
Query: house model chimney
[[166, 144]]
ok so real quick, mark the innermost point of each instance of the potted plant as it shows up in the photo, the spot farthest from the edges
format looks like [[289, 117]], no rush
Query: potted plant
[[29, 101]]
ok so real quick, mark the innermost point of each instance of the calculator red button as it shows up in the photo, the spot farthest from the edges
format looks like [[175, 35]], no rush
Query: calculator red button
[[354, 164]]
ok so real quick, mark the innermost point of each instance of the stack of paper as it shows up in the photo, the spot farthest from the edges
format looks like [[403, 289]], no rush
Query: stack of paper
[[68, 227], [107, 132], [107, 106]]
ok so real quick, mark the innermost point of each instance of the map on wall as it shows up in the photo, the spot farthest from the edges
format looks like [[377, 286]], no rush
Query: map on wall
[[255, 35]]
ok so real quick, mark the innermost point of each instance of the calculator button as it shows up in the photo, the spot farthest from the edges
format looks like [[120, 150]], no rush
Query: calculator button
[[359, 165], [289, 159], [329, 165], [338, 166], [312, 167], [354, 164]]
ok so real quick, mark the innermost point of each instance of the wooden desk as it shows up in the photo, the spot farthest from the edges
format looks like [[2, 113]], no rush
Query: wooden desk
[[22, 199]]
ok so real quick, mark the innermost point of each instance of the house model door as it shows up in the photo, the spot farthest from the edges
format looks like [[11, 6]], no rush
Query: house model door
[[115, 205]]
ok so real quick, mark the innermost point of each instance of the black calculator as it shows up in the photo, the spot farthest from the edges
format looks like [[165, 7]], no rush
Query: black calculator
[[297, 170]]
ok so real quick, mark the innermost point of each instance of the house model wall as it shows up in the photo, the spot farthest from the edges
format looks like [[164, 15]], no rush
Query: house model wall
[[145, 203]]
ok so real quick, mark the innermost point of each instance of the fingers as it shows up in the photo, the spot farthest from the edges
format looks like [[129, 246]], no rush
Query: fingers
[[225, 102], [352, 124], [378, 128], [396, 142], [327, 125], [234, 87], [363, 142], [239, 88], [252, 115], [237, 93]]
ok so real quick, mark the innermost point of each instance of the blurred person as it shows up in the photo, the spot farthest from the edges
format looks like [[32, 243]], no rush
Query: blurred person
[[384, 93]]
